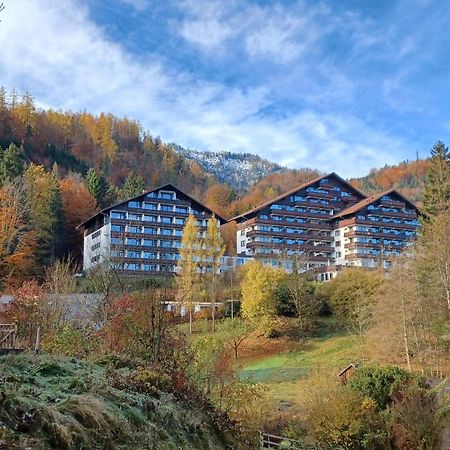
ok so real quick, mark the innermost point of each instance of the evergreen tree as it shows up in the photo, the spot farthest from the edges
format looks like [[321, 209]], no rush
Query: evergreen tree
[[11, 163], [133, 186], [188, 274], [213, 249], [436, 197], [97, 186], [45, 209]]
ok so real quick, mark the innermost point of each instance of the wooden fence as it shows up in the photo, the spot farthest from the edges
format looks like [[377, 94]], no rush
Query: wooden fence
[[8, 336], [267, 440]]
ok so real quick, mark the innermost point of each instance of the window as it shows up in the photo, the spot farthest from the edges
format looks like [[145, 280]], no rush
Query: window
[[177, 244], [181, 209], [130, 254], [150, 267], [133, 241], [338, 254], [337, 233], [117, 215], [338, 243], [116, 240], [149, 230], [117, 228], [166, 208], [131, 266], [132, 216], [134, 204], [149, 255], [133, 229], [165, 244], [96, 234], [152, 206], [95, 246], [242, 232], [165, 231], [164, 219], [148, 243], [149, 218], [167, 195], [242, 243], [179, 221], [117, 254], [166, 256], [178, 233]]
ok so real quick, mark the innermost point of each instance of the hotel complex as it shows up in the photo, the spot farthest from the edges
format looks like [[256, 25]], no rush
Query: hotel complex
[[142, 235], [329, 224], [326, 224]]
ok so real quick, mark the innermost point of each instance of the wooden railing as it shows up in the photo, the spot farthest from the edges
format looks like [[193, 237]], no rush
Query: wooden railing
[[8, 336], [267, 440]]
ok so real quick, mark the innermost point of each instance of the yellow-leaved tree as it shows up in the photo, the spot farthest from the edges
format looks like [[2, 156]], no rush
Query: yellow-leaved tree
[[258, 290], [213, 250], [188, 270]]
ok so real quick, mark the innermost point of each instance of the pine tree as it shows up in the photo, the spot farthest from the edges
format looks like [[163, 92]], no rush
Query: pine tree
[[97, 186], [188, 273], [45, 208], [213, 250], [133, 186], [11, 163], [436, 197]]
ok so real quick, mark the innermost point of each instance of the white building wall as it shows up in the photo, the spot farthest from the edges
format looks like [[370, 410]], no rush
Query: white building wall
[[96, 247]]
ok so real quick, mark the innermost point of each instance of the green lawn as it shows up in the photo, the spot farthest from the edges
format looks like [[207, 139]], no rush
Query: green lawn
[[284, 372]]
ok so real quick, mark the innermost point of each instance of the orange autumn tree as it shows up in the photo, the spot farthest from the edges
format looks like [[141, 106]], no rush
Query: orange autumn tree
[[17, 239], [78, 205]]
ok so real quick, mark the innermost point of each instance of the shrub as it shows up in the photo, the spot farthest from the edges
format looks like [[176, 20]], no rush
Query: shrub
[[149, 380], [417, 419], [379, 383], [70, 341], [339, 417]]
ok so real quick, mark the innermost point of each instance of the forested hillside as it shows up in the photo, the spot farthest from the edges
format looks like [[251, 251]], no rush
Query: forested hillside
[[58, 168], [113, 147], [407, 177]]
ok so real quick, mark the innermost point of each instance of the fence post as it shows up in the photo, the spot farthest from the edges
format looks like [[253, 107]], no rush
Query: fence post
[[38, 339], [261, 439]]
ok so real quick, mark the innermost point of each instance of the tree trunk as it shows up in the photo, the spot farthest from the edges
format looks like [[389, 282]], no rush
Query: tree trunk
[[405, 331]]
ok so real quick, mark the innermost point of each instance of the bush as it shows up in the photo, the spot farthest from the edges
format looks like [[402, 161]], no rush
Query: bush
[[149, 380], [417, 419], [70, 341], [379, 383], [339, 417]]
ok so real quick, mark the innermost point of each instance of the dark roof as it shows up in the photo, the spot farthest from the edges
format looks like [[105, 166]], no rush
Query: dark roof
[[165, 186], [369, 200], [298, 188], [350, 366]]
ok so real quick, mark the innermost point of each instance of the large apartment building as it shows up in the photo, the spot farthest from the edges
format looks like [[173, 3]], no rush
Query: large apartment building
[[329, 224], [142, 235]]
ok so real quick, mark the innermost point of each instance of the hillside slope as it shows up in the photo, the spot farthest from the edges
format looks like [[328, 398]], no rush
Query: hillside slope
[[68, 404], [239, 170]]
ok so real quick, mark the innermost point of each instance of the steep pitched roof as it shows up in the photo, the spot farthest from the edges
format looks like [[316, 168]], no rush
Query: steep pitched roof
[[164, 187], [369, 200], [298, 188]]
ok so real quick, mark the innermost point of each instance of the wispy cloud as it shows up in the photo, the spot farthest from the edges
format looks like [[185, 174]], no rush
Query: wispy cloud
[[279, 91]]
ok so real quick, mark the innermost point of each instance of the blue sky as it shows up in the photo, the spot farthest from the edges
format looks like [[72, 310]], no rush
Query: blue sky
[[336, 85]]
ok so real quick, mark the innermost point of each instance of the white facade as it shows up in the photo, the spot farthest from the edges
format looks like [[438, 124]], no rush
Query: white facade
[[97, 247]]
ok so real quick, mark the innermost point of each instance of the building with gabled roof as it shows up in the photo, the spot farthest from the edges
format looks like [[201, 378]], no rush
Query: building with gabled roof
[[329, 223], [142, 235]]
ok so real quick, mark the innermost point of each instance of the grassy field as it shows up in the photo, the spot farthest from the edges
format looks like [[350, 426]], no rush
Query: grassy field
[[285, 372]]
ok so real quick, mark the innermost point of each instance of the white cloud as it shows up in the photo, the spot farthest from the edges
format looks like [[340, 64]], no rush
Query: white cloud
[[66, 61]]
